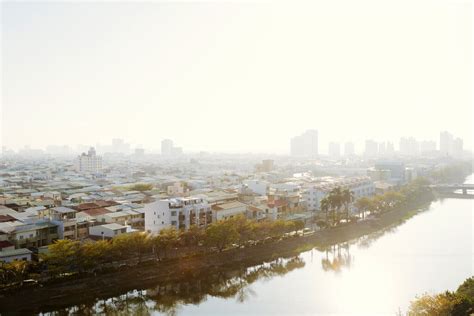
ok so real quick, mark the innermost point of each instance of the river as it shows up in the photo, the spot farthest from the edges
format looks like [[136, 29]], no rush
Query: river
[[376, 275]]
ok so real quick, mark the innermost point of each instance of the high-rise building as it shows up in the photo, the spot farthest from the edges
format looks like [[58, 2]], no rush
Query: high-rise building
[[305, 145], [371, 148], [89, 163], [445, 143], [166, 147], [349, 149], [334, 149], [409, 146], [457, 148], [390, 150]]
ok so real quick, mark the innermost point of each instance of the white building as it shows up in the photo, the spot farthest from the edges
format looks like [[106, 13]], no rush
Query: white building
[[177, 212], [257, 186], [89, 163], [228, 210], [305, 145], [314, 192], [107, 230]]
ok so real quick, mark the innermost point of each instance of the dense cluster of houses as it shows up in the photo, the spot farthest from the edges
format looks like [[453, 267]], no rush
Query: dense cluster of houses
[[45, 200]]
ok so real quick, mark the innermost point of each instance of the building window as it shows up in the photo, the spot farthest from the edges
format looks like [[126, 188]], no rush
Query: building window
[[173, 213]]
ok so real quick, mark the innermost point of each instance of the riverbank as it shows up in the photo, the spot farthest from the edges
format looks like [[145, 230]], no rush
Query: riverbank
[[76, 291]]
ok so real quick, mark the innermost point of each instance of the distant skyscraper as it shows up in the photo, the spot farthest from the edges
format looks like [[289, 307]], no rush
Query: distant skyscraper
[[334, 149], [89, 163], [119, 146], [409, 146], [305, 145], [349, 149], [371, 148], [445, 143], [382, 149], [167, 147], [390, 150], [457, 148]]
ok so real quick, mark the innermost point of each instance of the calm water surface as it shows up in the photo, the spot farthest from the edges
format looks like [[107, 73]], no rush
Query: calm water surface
[[376, 275]]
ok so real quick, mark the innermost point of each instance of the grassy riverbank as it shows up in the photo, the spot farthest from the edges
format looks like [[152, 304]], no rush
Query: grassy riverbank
[[88, 288]]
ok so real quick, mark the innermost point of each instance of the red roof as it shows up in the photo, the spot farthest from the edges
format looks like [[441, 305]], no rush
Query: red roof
[[5, 244], [278, 203], [96, 211], [96, 204], [6, 218]]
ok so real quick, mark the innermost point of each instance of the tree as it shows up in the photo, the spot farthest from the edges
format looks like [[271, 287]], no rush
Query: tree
[[363, 205], [444, 304], [336, 201], [347, 199], [15, 271], [221, 234], [325, 206], [63, 256], [140, 187], [166, 240], [94, 254], [192, 237], [244, 228]]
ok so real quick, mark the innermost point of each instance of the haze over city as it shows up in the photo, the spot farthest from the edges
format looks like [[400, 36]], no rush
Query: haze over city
[[234, 77], [236, 157]]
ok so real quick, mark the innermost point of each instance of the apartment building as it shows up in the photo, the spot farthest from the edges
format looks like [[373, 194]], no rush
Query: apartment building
[[177, 212]]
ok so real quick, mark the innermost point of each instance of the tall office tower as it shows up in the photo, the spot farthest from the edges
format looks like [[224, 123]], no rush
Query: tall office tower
[[457, 151], [371, 148], [445, 143], [167, 147], [390, 150], [349, 149], [382, 149], [305, 145], [409, 146], [89, 163], [334, 150]]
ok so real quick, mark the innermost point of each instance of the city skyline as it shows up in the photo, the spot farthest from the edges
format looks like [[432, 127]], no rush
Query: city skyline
[[410, 146], [234, 75]]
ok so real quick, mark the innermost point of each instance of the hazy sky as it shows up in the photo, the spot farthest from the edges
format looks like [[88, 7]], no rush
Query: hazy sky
[[235, 76]]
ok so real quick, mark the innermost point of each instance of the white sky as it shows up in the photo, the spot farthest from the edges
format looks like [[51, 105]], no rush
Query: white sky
[[235, 76]]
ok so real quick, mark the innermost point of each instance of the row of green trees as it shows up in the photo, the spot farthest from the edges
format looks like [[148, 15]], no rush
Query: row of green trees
[[409, 195], [336, 205], [69, 256]]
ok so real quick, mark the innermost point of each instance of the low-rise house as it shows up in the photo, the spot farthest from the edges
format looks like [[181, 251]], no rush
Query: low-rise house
[[228, 210], [107, 230], [15, 254]]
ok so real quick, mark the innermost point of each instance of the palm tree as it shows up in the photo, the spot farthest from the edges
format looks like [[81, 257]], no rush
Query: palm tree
[[325, 206], [336, 201], [347, 198]]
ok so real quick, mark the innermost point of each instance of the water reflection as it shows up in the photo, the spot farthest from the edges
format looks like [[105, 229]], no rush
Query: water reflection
[[167, 298], [337, 257]]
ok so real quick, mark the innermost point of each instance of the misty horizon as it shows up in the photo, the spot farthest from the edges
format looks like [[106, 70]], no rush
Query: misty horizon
[[230, 77]]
